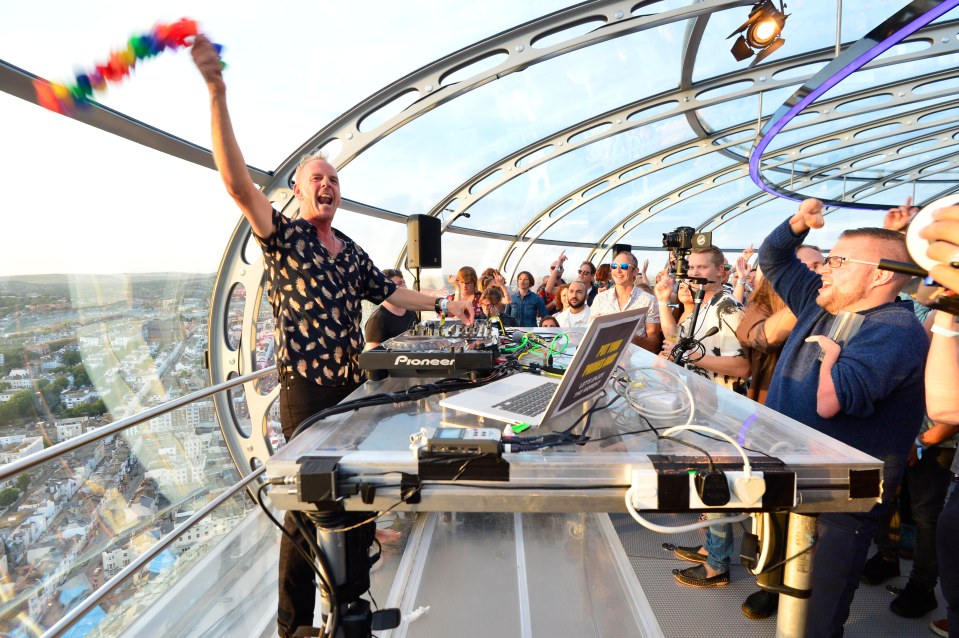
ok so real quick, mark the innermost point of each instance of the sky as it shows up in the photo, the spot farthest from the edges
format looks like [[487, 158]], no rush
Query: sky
[[77, 200]]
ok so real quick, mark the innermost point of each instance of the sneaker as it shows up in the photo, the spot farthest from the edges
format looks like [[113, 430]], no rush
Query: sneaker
[[879, 569], [915, 601], [695, 576], [761, 604], [940, 627]]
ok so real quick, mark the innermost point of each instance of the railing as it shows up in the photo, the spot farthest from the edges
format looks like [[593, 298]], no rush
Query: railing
[[101, 592], [52, 452], [77, 612]]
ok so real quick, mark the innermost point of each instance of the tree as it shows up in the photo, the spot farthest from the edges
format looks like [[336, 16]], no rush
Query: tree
[[23, 482], [71, 358], [80, 376], [9, 496]]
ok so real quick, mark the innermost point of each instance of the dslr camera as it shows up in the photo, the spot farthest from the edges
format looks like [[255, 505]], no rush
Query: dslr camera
[[685, 238], [681, 242]]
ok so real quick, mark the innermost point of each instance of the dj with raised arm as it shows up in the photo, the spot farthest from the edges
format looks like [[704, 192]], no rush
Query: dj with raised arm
[[317, 278]]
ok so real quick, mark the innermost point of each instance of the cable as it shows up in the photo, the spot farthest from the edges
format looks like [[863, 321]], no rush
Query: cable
[[322, 575], [747, 469], [414, 393], [649, 381], [678, 529]]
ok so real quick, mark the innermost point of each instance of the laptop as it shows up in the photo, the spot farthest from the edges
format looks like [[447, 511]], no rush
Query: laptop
[[534, 399]]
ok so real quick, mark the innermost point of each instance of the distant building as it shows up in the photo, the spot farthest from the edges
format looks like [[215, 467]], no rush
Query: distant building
[[18, 379], [72, 427], [73, 398], [16, 449], [117, 559]]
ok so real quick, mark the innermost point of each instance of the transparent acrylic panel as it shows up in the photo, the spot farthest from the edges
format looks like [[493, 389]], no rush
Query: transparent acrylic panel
[[603, 212], [510, 207], [453, 141]]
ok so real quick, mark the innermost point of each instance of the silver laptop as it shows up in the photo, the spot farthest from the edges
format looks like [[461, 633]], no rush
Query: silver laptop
[[535, 399]]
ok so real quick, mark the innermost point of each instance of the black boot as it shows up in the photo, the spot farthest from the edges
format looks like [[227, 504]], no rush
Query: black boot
[[879, 569], [761, 604], [914, 601]]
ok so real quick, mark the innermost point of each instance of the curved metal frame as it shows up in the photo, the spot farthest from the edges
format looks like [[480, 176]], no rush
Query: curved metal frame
[[898, 27]]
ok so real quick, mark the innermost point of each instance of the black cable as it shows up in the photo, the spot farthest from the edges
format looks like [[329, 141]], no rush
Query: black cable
[[557, 488], [414, 393], [293, 540], [748, 449]]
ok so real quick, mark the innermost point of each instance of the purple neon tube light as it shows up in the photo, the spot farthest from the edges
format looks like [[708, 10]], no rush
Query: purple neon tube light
[[845, 70]]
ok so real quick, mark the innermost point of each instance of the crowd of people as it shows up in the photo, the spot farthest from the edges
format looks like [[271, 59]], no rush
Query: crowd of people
[[762, 330]]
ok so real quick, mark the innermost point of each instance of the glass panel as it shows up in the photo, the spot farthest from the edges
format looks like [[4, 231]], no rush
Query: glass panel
[[510, 207], [726, 114], [79, 519], [520, 107], [602, 213], [169, 79]]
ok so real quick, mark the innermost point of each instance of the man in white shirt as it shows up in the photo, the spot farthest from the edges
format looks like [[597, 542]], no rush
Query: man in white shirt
[[626, 296], [576, 314]]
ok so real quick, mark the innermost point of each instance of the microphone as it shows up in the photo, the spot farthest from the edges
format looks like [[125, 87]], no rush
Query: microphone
[[710, 332]]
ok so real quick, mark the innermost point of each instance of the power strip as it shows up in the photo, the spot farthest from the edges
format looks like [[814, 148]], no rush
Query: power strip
[[743, 493]]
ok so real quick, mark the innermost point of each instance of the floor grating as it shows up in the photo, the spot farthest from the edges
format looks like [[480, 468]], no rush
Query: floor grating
[[688, 612]]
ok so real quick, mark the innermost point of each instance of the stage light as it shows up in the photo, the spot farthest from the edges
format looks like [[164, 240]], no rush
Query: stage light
[[760, 34]]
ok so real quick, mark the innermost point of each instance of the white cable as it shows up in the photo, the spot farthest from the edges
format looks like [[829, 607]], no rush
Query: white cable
[[678, 529], [653, 413], [722, 435]]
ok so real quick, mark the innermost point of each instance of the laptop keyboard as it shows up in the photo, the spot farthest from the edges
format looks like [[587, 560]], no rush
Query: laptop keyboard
[[531, 402]]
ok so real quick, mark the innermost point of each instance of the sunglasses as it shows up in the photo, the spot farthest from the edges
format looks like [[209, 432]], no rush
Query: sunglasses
[[618, 266], [585, 272], [392, 272]]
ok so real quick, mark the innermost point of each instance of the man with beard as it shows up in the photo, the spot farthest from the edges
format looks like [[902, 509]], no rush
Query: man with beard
[[867, 393], [576, 314]]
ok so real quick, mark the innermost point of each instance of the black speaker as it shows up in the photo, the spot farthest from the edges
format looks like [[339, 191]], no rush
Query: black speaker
[[621, 248], [423, 240]]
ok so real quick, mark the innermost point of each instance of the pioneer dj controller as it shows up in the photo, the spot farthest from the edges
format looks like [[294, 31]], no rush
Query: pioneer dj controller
[[434, 349]]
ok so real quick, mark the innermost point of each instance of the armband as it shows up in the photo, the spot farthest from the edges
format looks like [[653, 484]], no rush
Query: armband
[[945, 332], [438, 305]]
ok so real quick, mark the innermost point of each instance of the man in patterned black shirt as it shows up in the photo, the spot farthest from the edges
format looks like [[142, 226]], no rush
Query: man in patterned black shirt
[[317, 279]]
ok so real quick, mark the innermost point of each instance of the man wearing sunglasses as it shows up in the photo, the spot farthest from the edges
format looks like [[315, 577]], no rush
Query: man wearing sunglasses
[[624, 295], [867, 393]]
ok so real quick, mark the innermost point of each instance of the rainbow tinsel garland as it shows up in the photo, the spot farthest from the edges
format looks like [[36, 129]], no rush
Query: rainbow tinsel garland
[[65, 99]]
